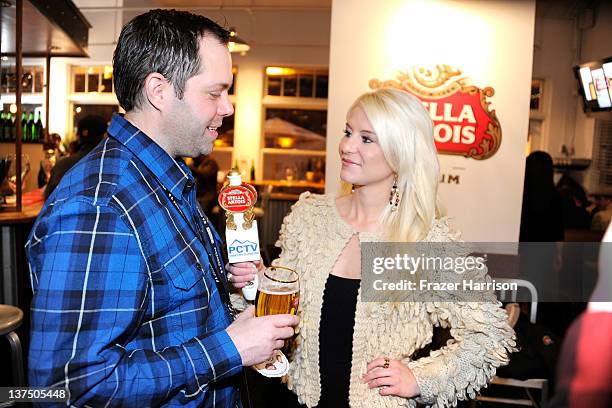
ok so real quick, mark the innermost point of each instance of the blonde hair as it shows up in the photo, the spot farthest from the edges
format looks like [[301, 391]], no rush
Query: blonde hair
[[405, 135]]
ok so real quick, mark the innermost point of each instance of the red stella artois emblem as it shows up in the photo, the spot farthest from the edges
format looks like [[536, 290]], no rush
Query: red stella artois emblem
[[463, 123], [237, 199]]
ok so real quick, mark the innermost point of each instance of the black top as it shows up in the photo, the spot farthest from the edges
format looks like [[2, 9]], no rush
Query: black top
[[336, 340]]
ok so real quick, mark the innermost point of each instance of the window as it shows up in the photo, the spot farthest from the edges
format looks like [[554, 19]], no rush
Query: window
[[295, 125], [296, 82], [92, 79], [295, 128], [601, 171], [535, 103], [31, 81]]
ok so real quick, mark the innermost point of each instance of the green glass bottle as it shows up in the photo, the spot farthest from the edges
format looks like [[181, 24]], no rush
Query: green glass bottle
[[24, 127], [31, 128], [2, 120], [9, 134], [39, 128]]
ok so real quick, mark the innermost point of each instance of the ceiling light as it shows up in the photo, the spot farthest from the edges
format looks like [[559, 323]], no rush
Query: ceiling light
[[237, 44]]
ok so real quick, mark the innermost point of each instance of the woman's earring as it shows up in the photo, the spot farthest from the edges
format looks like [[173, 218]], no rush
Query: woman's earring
[[394, 195], [352, 188]]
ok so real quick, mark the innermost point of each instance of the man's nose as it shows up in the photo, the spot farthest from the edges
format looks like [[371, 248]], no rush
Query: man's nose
[[225, 108]]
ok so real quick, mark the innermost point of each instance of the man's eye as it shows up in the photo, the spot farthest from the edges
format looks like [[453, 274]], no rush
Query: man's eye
[[215, 95]]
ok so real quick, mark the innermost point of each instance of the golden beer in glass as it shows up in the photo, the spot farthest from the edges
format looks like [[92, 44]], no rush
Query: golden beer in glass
[[278, 292]]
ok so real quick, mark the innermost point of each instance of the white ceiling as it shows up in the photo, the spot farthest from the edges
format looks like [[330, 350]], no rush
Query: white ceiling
[[194, 4]]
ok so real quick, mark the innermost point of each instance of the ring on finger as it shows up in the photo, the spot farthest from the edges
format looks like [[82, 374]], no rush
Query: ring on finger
[[387, 362], [229, 277]]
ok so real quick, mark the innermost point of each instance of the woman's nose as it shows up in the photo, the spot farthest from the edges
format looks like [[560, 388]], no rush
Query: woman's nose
[[348, 145]]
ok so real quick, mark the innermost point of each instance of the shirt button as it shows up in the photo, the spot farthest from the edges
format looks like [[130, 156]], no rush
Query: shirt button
[[199, 266]]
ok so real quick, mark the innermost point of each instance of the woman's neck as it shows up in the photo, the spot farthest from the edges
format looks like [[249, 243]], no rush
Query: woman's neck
[[362, 209]]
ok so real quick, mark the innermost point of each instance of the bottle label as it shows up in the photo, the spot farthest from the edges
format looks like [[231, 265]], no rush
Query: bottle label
[[242, 244], [237, 199]]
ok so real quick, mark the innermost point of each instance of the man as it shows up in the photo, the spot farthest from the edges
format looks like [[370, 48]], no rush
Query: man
[[130, 300], [90, 131]]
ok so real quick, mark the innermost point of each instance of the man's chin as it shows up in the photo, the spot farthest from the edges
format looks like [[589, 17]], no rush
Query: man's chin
[[197, 152]]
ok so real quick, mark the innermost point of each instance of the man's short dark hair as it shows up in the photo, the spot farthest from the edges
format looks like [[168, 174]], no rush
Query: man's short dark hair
[[163, 41]]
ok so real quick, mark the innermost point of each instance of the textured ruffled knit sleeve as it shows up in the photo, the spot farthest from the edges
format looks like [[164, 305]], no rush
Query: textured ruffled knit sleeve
[[288, 239], [482, 341]]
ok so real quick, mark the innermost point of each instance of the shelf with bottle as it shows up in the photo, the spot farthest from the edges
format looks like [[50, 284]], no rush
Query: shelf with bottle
[[32, 130]]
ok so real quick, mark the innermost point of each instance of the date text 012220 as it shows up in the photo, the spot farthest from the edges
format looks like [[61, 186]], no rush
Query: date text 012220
[[27, 394]]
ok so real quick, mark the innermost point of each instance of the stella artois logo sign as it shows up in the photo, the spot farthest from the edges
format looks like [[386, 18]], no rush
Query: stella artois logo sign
[[237, 199], [463, 123]]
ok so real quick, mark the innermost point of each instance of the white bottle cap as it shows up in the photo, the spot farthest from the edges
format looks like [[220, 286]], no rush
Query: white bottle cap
[[235, 180], [250, 290]]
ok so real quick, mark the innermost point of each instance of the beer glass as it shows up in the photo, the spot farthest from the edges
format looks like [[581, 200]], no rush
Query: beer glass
[[278, 292]]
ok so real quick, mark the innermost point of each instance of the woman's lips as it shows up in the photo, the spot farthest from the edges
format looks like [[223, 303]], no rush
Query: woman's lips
[[347, 162]]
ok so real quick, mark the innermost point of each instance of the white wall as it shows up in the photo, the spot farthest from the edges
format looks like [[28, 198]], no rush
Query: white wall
[[553, 61], [558, 48], [491, 42]]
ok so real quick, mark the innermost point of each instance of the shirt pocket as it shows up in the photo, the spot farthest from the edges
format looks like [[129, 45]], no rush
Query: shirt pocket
[[185, 273], [190, 299]]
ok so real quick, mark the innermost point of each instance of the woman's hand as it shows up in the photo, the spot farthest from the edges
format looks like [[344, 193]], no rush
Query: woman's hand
[[242, 272], [396, 379]]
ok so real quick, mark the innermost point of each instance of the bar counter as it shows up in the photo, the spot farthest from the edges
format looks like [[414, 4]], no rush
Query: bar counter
[[28, 213], [15, 227]]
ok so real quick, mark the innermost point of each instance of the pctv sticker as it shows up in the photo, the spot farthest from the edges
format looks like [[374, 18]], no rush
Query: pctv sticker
[[238, 248]]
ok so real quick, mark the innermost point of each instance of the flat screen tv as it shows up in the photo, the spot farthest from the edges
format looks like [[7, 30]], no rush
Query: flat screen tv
[[595, 80]]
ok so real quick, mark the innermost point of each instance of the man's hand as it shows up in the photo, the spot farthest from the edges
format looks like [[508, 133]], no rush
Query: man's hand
[[256, 338], [242, 272]]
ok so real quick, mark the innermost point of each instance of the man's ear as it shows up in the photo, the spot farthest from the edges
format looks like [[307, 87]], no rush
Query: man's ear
[[156, 90]]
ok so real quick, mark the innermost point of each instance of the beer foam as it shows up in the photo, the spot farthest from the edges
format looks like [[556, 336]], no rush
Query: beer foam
[[278, 290]]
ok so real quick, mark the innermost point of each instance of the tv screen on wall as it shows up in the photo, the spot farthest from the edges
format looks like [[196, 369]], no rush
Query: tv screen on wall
[[595, 80]]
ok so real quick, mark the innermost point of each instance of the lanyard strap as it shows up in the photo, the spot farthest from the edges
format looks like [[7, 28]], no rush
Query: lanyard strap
[[215, 261]]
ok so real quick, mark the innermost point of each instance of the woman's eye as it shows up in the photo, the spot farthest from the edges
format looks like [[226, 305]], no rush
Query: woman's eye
[[366, 139], [347, 133]]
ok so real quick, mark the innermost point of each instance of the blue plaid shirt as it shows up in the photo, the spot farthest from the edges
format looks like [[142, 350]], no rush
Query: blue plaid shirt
[[126, 311]]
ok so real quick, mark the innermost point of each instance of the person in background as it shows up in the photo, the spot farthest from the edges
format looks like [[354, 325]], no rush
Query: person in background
[[73, 148], [90, 131], [59, 148], [545, 214], [603, 214], [584, 371], [575, 203], [46, 164], [542, 213], [205, 170], [131, 303], [351, 352]]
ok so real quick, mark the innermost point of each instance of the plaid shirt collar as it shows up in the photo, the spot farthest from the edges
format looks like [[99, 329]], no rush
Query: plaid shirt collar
[[173, 174]]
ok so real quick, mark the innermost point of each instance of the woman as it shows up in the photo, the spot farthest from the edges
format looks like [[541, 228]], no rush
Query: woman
[[348, 352]]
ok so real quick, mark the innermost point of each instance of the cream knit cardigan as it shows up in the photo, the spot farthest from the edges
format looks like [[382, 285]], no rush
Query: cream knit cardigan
[[312, 237]]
